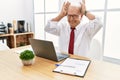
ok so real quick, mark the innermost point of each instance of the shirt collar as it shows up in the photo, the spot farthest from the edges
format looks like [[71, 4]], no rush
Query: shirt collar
[[78, 26]]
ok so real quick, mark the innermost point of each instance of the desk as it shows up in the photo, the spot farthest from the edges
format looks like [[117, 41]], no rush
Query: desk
[[11, 68]]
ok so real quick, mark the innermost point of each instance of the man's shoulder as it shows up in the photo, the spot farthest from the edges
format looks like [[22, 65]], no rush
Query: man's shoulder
[[64, 22]]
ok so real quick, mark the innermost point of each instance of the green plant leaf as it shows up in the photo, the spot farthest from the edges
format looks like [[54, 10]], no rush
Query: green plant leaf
[[27, 55]]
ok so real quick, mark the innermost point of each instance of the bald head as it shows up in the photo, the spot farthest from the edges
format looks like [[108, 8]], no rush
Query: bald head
[[74, 10]]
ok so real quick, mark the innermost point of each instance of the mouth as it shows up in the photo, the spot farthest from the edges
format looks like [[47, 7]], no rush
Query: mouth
[[73, 22]]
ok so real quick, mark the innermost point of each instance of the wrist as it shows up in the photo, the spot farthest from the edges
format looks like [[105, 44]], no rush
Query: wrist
[[61, 15], [85, 12]]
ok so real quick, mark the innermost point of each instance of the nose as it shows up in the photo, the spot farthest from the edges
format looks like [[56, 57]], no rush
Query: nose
[[71, 17]]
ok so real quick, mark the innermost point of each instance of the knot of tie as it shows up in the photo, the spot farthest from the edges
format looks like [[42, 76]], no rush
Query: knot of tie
[[72, 28]]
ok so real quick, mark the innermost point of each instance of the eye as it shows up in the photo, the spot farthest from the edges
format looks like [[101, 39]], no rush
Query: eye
[[73, 16]]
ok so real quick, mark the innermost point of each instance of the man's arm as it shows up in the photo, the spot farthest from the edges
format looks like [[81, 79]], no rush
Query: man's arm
[[89, 15], [52, 25], [86, 13], [63, 12]]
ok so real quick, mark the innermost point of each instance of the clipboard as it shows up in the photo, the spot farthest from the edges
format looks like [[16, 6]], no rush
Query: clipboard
[[73, 66]]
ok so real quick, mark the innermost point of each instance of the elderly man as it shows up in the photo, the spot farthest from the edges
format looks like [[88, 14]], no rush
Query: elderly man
[[74, 37]]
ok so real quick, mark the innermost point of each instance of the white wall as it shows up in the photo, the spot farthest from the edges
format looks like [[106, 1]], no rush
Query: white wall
[[16, 10]]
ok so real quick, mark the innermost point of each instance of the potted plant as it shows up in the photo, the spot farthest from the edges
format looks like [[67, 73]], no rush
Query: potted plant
[[27, 57]]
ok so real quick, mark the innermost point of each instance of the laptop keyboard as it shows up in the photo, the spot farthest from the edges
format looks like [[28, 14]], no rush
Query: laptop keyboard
[[62, 56]]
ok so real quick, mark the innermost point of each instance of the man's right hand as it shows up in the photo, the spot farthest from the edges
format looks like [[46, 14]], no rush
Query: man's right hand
[[63, 12], [64, 9]]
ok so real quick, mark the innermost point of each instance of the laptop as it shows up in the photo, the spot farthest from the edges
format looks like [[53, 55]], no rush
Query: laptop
[[45, 49]]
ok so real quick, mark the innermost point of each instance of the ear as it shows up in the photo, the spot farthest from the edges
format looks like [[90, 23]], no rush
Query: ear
[[81, 15]]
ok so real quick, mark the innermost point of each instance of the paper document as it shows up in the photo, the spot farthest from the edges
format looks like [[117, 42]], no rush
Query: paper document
[[73, 66]]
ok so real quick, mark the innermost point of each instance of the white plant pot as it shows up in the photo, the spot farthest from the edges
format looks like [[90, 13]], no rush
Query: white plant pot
[[28, 62]]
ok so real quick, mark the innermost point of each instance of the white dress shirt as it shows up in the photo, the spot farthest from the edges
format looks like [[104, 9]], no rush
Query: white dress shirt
[[83, 34]]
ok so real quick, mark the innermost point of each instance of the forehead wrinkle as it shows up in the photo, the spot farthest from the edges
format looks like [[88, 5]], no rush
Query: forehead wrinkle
[[74, 10]]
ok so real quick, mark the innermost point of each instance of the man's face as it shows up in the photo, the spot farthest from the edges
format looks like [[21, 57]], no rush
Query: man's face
[[74, 16]]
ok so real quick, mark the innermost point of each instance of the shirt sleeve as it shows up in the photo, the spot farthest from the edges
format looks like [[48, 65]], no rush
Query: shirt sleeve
[[94, 26], [53, 27]]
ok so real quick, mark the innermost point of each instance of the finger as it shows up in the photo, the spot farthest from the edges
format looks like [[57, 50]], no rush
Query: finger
[[83, 1], [63, 3], [68, 3]]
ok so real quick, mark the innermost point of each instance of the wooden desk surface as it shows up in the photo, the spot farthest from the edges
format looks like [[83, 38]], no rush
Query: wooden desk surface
[[11, 68]]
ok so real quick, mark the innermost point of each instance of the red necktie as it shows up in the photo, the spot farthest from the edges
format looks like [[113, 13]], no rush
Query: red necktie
[[71, 42]]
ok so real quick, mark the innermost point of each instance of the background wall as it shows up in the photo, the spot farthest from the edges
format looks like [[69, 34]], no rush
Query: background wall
[[16, 10]]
